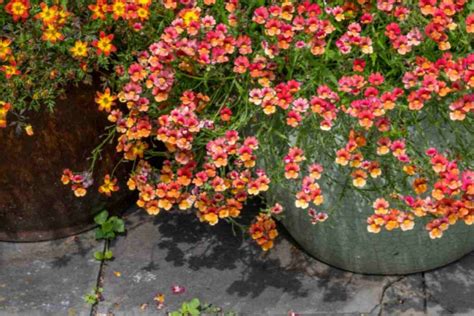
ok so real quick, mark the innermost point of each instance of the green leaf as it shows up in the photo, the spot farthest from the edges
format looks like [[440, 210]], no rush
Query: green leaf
[[193, 311], [101, 217], [108, 255], [107, 227], [98, 255], [194, 303], [373, 57], [119, 225]]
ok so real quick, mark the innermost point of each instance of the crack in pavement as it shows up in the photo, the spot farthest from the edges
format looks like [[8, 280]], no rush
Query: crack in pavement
[[100, 281], [382, 296]]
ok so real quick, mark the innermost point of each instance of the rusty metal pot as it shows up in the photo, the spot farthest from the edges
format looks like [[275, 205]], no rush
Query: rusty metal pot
[[34, 204]]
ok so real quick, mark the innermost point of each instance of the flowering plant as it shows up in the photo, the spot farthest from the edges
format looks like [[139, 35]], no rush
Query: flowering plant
[[238, 96]]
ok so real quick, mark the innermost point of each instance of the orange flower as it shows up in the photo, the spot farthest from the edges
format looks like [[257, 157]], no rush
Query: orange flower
[[10, 70], [18, 9], [118, 8], [109, 186], [292, 171], [105, 100], [99, 9], [342, 157], [4, 108], [79, 191], [104, 44], [51, 34], [263, 231], [359, 178], [420, 185], [5, 50], [47, 15], [29, 130]]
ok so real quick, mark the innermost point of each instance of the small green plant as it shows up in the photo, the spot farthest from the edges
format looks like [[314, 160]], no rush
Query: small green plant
[[108, 229], [94, 296], [195, 307]]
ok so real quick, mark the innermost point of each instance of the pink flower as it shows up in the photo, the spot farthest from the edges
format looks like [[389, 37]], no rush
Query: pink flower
[[177, 289]]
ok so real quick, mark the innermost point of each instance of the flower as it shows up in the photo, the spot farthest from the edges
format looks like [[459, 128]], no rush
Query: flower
[[109, 186], [79, 50], [104, 44], [263, 231], [177, 289], [105, 100], [19, 9], [5, 50], [4, 108]]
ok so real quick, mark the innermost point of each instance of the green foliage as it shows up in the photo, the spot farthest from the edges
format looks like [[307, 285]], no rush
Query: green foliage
[[108, 229], [194, 307], [188, 308], [94, 296]]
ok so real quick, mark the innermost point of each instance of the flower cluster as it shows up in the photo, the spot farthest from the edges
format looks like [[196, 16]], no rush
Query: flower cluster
[[389, 218], [132, 11], [263, 231], [401, 42], [440, 79], [289, 26], [195, 90], [79, 181], [450, 200], [53, 19], [441, 19]]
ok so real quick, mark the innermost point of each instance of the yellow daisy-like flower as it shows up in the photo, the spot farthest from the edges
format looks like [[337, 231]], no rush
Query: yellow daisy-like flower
[[105, 100], [79, 50]]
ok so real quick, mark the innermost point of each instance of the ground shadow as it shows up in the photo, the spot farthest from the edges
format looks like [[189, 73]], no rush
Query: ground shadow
[[198, 246]]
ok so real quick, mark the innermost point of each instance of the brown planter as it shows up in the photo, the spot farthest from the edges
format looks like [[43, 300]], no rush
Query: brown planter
[[34, 204]]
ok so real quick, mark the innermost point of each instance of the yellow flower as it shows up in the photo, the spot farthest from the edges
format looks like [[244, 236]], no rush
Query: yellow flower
[[190, 16], [29, 130], [5, 50], [79, 49], [51, 34], [105, 100]]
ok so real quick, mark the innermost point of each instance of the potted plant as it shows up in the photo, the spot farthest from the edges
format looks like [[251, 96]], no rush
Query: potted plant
[[351, 117], [54, 56]]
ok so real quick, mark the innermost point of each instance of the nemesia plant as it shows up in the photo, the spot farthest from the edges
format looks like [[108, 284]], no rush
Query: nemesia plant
[[237, 96]]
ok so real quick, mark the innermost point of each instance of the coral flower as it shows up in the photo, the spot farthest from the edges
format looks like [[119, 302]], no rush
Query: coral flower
[[470, 23], [381, 206], [359, 178]]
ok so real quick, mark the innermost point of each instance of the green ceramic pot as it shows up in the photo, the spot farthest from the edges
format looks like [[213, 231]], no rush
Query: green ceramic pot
[[343, 240]]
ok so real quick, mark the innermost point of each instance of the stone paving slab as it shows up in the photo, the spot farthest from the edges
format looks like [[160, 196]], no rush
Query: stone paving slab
[[450, 290], [230, 272], [48, 278], [51, 278]]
